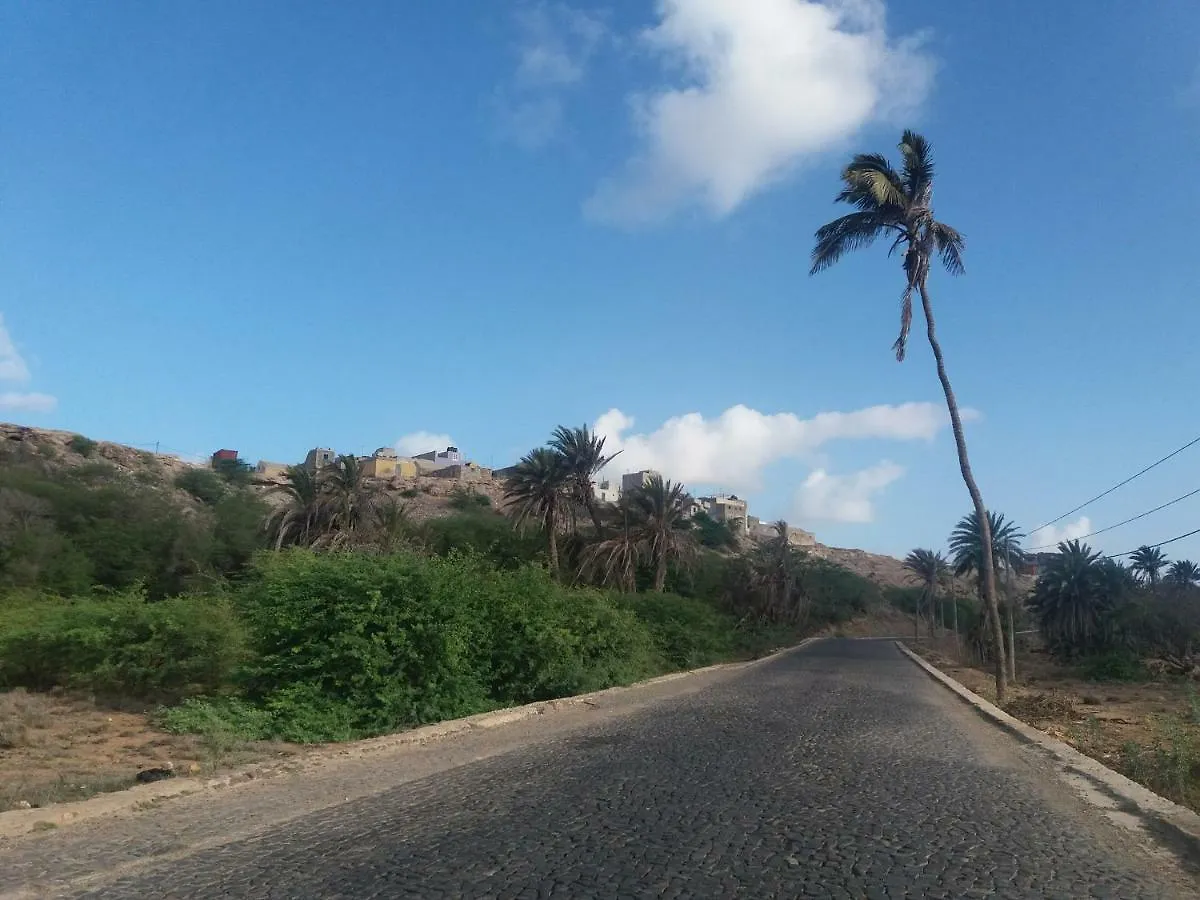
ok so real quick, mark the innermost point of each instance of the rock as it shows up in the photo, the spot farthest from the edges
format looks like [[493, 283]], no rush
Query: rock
[[23, 804]]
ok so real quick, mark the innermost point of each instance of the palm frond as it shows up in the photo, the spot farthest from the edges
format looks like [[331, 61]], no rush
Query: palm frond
[[873, 173], [950, 244], [839, 237], [918, 164]]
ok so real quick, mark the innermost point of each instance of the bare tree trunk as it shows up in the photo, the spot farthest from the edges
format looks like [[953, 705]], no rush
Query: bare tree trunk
[[957, 645], [929, 624], [552, 537], [964, 465], [660, 573], [1012, 633], [917, 620]]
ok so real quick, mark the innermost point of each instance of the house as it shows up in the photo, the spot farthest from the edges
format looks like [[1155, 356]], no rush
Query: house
[[606, 491], [319, 458], [447, 457], [632, 481], [267, 469], [224, 456], [386, 463], [765, 531], [730, 510]]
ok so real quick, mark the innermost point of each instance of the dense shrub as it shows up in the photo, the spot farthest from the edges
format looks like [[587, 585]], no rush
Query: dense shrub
[[203, 484], [352, 645], [85, 447], [485, 533], [688, 633], [121, 645], [467, 499]]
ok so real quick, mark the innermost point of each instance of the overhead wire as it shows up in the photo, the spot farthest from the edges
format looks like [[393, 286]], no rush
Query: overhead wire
[[1118, 485], [1119, 524], [1178, 537]]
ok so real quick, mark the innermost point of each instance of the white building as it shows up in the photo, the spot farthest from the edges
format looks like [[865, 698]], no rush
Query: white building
[[631, 481], [606, 491]]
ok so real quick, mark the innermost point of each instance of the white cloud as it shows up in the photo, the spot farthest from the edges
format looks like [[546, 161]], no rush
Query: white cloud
[[763, 85], [732, 450], [12, 364], [422, 442], [843, 498], [28, 403], [13, 368], [555, 47], [1052, 535]]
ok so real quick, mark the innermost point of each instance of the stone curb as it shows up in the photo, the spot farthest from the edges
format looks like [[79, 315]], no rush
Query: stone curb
[[1128, 796], [17, 822]]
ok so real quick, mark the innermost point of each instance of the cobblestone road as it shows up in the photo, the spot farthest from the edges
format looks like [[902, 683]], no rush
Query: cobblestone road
[[839, 771]]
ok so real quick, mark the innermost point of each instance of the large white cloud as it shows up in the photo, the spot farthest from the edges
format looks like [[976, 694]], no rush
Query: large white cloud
[[1053, 535], [423, 442], [14, 369], [843, 498], [732, 449], [761, 85]]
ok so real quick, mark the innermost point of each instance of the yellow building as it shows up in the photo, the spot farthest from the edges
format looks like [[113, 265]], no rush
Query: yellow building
[[384, 463]]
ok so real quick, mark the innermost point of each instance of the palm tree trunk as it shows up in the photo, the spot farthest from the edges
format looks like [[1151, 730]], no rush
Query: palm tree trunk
[[594, 512], [552, 539], [929, 624], [957, 646], [964, 465], [917, 620], [660, 572]]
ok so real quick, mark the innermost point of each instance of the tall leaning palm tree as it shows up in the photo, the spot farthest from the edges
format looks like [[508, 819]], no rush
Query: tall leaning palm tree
[[899, 205], [929, 568], [583, 455], [537, 490], [1148, 562], [662, 527]]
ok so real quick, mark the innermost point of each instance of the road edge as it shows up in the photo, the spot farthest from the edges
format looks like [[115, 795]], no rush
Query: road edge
[[16, 823], [1178, 822]]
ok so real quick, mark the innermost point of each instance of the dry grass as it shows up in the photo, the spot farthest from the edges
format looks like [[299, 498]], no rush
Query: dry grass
[[58, 748], [1148, 731]]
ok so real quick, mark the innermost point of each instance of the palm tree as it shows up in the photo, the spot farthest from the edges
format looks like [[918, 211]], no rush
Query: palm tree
[[393, 525], [1148, 562], [967, 545], [1074, 593], [614, 560], [350, 496], [1183, 573], [299, 519], [538, 491], [661, 525], [775, 571], [899, 205], [583, 455], [930, 569]]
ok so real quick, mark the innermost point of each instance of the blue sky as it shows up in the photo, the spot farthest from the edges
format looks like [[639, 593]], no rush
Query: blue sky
[[271, 226]]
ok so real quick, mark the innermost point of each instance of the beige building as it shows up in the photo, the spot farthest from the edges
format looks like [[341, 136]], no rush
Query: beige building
[[631, 481], [267, 469], [467, 471], [729, 510], [319, 458]]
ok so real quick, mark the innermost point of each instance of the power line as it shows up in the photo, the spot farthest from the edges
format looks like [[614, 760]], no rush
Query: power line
[[1122, 484], [1179, 537], [1119, 524]]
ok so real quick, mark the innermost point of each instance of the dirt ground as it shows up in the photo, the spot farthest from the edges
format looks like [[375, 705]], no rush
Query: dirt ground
[[1147, 730], [55, 748]]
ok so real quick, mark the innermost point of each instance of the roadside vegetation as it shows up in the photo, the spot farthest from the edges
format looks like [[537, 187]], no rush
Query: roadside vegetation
[[1102, 653], [326, 613]]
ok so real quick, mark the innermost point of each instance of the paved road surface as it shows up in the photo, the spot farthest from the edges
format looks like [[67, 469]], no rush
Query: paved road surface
[[839, 771]]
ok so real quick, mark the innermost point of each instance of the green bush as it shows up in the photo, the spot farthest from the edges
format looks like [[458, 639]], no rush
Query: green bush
[[203, 484], [1117, 665], [348, 645], [121, 646], [486, 533], [688, 633], [85, 447], [467, 499]]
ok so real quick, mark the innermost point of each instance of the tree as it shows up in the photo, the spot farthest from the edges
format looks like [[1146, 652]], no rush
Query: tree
[[583, 455], [776, 572], [613, 560], [538, 491], [930, 569], [299, 520], [1147, 562], [899, 205], [1183, 573], [661, 525], [1075, 592], [350, 497], [968, 548]]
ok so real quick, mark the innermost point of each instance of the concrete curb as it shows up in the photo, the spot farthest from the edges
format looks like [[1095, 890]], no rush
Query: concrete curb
[[1170, 820], [17, 822]]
